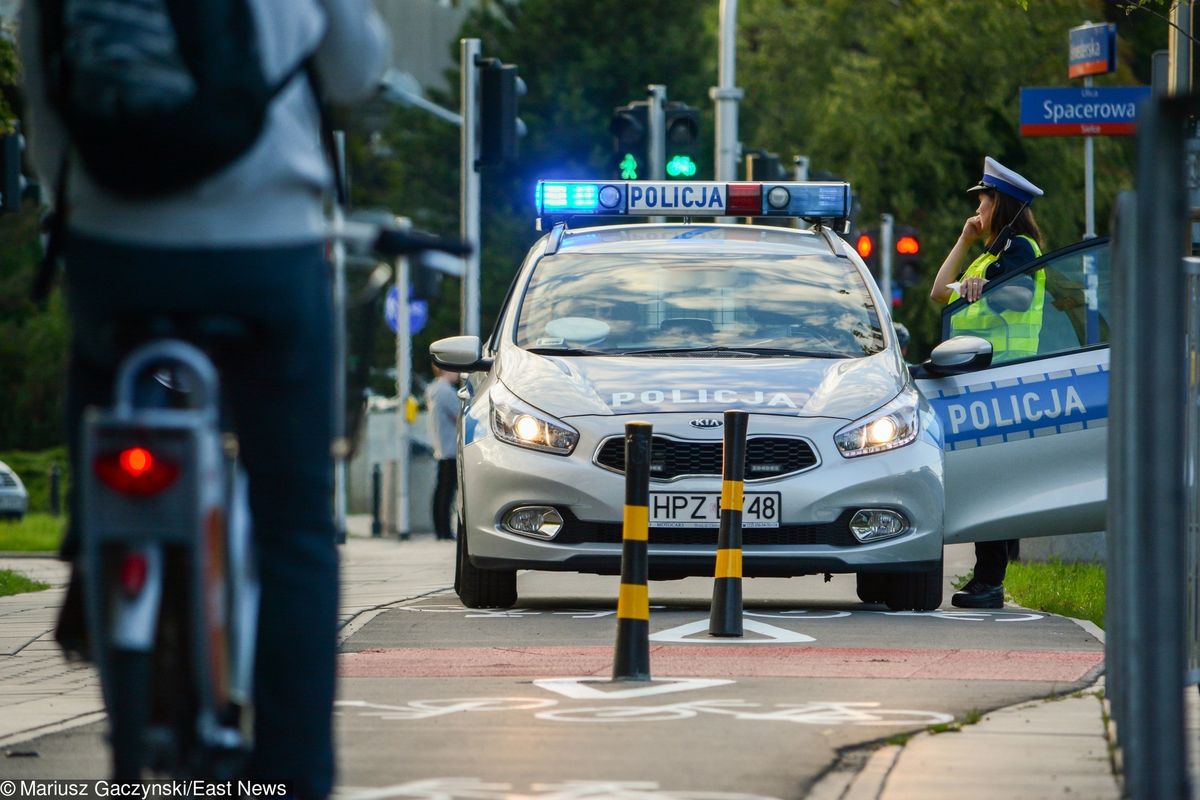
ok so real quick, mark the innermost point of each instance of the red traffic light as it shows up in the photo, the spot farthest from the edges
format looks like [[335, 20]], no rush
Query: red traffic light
[[865, 246], [907, 245]]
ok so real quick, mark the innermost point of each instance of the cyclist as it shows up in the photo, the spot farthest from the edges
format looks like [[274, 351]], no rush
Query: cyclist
[[244, 243]]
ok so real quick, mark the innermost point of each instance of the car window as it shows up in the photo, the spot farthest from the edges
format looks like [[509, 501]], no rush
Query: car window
[[1073, 289], [611, 303]]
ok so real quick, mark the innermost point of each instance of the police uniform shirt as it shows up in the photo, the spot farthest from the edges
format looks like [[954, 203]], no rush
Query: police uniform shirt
[[1015, 255]]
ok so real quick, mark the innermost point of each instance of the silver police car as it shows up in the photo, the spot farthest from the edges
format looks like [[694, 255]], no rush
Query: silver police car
[[673, 324]]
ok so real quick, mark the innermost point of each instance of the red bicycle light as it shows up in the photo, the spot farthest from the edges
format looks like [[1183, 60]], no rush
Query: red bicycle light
[[133, 574], [864, 246], [908, 245], [135, 470], [744, 199], [136, 461]]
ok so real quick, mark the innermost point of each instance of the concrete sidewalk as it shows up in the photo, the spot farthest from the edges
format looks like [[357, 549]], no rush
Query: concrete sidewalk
[[1051, 748], [41, 692]]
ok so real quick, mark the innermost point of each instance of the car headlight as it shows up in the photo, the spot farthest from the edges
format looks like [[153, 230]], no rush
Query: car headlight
[[892, 426], [516, 422]]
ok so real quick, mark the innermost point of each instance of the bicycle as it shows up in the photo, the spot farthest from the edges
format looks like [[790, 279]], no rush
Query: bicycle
[[168, 560]]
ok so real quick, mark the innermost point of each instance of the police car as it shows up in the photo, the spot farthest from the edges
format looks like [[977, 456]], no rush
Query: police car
[[673, 324]]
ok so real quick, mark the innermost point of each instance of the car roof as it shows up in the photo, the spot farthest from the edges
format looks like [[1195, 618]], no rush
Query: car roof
[[688, 239]]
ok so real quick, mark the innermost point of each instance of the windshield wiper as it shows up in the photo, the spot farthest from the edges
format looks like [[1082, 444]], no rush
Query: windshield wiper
[[570, 351], [765, 352]]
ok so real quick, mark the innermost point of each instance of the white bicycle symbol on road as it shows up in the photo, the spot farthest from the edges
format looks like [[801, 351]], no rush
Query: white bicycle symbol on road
[[813, 713]]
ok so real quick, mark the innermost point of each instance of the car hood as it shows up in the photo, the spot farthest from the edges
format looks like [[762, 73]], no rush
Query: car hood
[[575, 386]]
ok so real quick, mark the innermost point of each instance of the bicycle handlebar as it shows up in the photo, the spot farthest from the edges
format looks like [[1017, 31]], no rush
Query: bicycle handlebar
[[397, 242], [392, 241]]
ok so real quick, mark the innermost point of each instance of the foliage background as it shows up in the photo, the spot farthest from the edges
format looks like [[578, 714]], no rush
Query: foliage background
[[903, 98]]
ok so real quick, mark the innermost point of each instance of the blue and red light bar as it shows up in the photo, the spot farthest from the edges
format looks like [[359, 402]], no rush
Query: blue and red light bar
[[807, 200]]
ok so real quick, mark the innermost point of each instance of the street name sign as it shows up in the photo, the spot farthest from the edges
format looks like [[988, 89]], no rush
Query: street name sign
[[1085, 111], [1092, 50]]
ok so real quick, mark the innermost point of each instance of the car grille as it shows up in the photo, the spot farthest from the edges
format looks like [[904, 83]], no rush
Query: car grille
[[766, 457], [7, 480], [836, 533]]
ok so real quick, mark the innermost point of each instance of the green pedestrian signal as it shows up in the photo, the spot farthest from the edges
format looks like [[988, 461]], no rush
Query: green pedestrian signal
[[629, 167], [681, 166]]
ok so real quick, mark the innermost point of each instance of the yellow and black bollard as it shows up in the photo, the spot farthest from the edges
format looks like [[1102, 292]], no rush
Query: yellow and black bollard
[[631, 661], [726, 616]]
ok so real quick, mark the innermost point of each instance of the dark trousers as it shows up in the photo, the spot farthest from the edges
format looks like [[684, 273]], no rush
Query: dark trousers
[[443, 496], [276, 389], [991, 561]]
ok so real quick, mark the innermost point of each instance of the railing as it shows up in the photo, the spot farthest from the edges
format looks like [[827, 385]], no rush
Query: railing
[[1152, 613]]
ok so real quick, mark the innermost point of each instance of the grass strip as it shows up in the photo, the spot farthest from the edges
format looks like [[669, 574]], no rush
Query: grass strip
[[1070, 589], [13, 583], [34, 533]]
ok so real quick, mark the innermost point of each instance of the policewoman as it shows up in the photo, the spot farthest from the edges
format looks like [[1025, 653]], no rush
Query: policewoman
[[1010, 317]]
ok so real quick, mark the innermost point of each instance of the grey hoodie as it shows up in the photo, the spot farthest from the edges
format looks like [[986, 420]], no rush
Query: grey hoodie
[[274, 193]]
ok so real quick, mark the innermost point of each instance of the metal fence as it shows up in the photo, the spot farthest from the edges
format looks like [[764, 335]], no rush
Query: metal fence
[[1151, 637]]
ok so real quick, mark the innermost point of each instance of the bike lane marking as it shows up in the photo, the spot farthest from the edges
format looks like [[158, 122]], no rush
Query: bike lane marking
[[591, 688], [772, 634]]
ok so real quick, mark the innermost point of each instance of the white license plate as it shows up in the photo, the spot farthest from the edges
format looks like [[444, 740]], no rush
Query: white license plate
[[703, 510]]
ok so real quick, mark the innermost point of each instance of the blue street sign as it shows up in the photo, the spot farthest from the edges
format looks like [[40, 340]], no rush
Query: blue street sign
[[418, 312], [1086, 111], [1092, 50]]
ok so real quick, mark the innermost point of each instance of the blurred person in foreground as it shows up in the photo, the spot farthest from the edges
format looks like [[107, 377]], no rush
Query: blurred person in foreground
[[245, 242]]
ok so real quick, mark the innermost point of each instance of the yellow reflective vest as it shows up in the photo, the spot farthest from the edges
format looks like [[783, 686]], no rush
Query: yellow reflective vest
[[1013, 334]]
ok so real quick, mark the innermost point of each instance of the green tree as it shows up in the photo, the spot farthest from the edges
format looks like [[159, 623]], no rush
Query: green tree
[[904, 99], [579, 60], [32, 338]]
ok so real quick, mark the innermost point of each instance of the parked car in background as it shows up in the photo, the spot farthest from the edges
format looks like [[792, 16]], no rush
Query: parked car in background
[[14, 500]]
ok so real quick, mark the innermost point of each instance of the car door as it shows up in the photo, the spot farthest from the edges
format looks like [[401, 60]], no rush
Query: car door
[[1026, 438]]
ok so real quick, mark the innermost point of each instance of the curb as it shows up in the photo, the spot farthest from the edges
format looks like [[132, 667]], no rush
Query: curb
[[52, 554], [868, 782]]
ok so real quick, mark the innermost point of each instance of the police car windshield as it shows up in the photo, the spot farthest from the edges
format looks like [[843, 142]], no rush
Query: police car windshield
[[603, 303]]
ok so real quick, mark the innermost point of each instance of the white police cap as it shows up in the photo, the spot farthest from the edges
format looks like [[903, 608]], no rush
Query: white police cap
[[1002, 179]]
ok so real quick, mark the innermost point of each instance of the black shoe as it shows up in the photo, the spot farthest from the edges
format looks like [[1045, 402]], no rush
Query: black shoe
[[978, 594]]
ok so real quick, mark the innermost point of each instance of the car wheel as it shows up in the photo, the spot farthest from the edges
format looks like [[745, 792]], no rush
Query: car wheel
[[915, 591], [872, 587], [482, 588]]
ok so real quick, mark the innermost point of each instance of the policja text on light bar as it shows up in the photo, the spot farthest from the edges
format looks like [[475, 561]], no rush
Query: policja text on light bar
[[807, 200]]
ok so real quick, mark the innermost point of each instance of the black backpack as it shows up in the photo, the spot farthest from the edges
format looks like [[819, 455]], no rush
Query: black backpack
[[157, 95]]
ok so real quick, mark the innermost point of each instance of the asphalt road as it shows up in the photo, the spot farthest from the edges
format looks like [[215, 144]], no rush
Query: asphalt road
[[439, 701]]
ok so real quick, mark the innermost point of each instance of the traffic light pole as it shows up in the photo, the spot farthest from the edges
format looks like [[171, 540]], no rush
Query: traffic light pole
[[403, 390], [725, 96], [887, 245], [656, 147], [469, 183]]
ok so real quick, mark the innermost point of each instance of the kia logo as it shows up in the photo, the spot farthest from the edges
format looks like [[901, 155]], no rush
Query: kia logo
[[706, 423]]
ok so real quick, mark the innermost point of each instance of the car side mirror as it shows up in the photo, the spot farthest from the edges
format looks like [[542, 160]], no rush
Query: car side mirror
[[958, 355], [459, 354]]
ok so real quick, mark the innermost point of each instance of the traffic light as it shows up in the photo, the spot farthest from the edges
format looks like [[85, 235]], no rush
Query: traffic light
[[682, 130], [906, 271], [866, 243], [12, 182], [630, 129], [764, 166], [499, 126]]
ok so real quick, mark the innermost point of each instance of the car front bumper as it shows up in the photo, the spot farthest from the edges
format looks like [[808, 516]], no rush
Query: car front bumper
[[816, 506]]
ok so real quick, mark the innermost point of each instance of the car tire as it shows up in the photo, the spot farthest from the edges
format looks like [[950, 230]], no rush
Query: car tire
[[915, 591], [872, 587], [481, 588]]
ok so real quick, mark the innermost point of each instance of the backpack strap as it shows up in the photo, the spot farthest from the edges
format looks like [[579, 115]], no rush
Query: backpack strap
[[341, 190]]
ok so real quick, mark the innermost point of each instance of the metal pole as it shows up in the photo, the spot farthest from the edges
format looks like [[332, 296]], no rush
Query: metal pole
[[1089, 180], [725, 96], [340, 445], [656, 93], [1150, 350], [469, 182], [1179, 47], [403, 390], [886, 248], [801, 165], [376, 501]]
